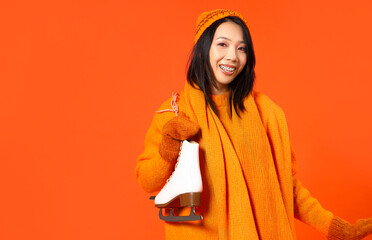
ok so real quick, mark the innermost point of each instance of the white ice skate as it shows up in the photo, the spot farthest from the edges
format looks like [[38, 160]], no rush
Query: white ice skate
[[184, 187]]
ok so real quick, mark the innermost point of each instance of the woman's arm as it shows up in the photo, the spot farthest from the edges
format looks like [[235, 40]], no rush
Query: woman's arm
[[307, 209], [162, 146], [152, 170]]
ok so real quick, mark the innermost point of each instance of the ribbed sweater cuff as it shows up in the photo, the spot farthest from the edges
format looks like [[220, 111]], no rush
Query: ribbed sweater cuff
[[338, 229]]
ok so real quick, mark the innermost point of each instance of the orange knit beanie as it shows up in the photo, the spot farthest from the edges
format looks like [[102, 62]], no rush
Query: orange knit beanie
[[208, 18]]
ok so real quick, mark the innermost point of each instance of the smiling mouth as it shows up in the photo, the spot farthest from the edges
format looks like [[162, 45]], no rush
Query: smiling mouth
[[227, 69]]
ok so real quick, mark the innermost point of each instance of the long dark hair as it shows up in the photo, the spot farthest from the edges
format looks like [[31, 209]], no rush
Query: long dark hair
[[200, 72]]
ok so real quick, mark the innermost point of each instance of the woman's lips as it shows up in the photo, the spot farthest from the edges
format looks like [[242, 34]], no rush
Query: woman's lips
[[227, 69]]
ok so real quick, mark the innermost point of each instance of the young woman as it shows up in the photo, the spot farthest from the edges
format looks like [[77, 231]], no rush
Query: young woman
[[250, 190]]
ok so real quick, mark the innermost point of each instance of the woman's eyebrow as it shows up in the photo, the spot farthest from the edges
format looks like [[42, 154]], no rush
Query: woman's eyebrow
[[229, 39]]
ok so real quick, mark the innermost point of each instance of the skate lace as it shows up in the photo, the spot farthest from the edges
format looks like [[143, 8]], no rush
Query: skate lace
[[174, 105], [175, 166]]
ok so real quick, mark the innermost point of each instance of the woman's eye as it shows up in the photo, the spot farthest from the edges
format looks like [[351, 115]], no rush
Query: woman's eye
[[222, 44], [243, 49]]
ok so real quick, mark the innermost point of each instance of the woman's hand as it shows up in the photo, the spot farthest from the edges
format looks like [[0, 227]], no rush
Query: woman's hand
[[174, 131], [342, 230]]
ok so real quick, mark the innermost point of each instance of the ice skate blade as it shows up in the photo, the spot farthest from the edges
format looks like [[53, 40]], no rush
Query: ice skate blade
[[183, 200], [172, 218]]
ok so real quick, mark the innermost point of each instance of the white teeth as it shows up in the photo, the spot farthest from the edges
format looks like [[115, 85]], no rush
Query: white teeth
[[228, 69]]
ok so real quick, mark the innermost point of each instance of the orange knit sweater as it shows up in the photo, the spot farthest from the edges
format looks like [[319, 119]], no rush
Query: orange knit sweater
[[254, 195]]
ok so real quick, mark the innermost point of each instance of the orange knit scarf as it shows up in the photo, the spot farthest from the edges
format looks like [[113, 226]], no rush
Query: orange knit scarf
[[247, 188]]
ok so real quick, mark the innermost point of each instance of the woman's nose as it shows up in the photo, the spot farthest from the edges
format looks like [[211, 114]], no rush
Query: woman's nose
[[231, 54]]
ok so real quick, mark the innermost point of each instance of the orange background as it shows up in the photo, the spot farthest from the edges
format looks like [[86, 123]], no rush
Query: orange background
[[80, 81]]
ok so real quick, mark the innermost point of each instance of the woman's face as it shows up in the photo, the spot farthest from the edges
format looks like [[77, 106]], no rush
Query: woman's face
[[227, 55]]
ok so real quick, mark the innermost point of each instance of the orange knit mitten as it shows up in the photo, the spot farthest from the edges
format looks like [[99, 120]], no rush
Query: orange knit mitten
[[342, 230], [174, 131]]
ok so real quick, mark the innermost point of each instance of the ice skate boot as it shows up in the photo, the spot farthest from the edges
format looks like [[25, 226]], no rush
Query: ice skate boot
[[184, 187]]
